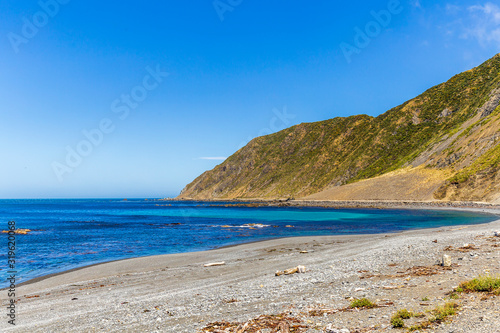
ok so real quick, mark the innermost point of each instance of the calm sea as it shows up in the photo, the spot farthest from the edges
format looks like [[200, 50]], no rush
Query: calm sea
[[74, 233]]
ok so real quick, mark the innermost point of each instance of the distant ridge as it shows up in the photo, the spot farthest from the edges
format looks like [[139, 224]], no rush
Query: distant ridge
[[441, 145]]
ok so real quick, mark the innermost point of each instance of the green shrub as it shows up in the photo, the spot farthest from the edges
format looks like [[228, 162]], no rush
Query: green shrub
[[362, 303], [404, 314], [481, 284], [442, 312], [397, 322], [397, 319]]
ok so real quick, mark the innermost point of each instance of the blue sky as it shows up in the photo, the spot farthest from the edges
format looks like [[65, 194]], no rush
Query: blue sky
[[137, 99]]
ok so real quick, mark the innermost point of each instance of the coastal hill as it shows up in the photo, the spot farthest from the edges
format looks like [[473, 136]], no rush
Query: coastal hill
[[441, 145]]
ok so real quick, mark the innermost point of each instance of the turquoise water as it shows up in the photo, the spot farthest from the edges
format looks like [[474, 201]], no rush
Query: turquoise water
[[74, 233]]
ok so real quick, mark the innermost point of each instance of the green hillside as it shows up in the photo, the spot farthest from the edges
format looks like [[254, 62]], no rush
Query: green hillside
[[444, 121]]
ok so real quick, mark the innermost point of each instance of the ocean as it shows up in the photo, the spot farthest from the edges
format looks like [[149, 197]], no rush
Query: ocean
[[67, 234]]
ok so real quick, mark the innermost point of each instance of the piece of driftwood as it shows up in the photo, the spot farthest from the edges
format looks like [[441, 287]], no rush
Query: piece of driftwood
[[298, 269], [215, 264]]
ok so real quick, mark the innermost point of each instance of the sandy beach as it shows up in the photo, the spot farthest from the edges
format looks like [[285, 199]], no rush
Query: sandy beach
[[176, 293]]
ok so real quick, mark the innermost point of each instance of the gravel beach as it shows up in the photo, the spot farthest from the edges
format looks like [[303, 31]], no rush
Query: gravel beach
[[176, 293]]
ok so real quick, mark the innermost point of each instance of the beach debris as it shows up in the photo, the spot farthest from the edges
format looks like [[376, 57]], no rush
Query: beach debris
[[496, 233], [412, 272], [289, 226], [242, 328], [283, 327], [281, 323], [18, 231], [331, 329], [34, 296], [304, 251], [391, 287], [222, 263], [467, 247], [446, 261], [322, 312], [435, 241], [298, 269]]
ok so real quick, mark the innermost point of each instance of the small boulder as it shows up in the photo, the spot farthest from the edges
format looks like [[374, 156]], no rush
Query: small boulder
[[446, 262]]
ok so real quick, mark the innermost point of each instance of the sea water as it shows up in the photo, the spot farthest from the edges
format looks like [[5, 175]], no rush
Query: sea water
[[67, 234]]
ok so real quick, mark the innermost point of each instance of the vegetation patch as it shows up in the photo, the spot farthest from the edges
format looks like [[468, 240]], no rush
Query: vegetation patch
[[433, 317], [486, 283], [397, 319], [363, 303]]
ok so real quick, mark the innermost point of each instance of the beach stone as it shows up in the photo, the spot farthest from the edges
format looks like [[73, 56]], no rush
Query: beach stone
[[497, 233], [446, 262]]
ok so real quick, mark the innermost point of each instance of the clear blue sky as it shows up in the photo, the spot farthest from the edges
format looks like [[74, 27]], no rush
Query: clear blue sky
[[236, 70]]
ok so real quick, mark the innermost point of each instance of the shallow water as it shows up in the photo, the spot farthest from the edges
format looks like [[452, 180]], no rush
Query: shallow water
[[74, 233]]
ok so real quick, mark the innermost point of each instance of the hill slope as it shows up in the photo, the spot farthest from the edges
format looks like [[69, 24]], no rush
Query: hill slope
[[450, 131]]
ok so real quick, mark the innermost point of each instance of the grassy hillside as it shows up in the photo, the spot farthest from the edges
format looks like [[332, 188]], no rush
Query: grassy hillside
[[447, 127]]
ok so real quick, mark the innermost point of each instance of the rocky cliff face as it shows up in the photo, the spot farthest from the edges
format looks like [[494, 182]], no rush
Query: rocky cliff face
[[450, 131]]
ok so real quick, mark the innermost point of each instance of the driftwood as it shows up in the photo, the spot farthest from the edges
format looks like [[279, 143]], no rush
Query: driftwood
[[298, 269], [215, 264]]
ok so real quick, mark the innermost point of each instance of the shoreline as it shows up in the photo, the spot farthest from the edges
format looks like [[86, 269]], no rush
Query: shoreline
[[319, 204], [377, 204], [490, 210]]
